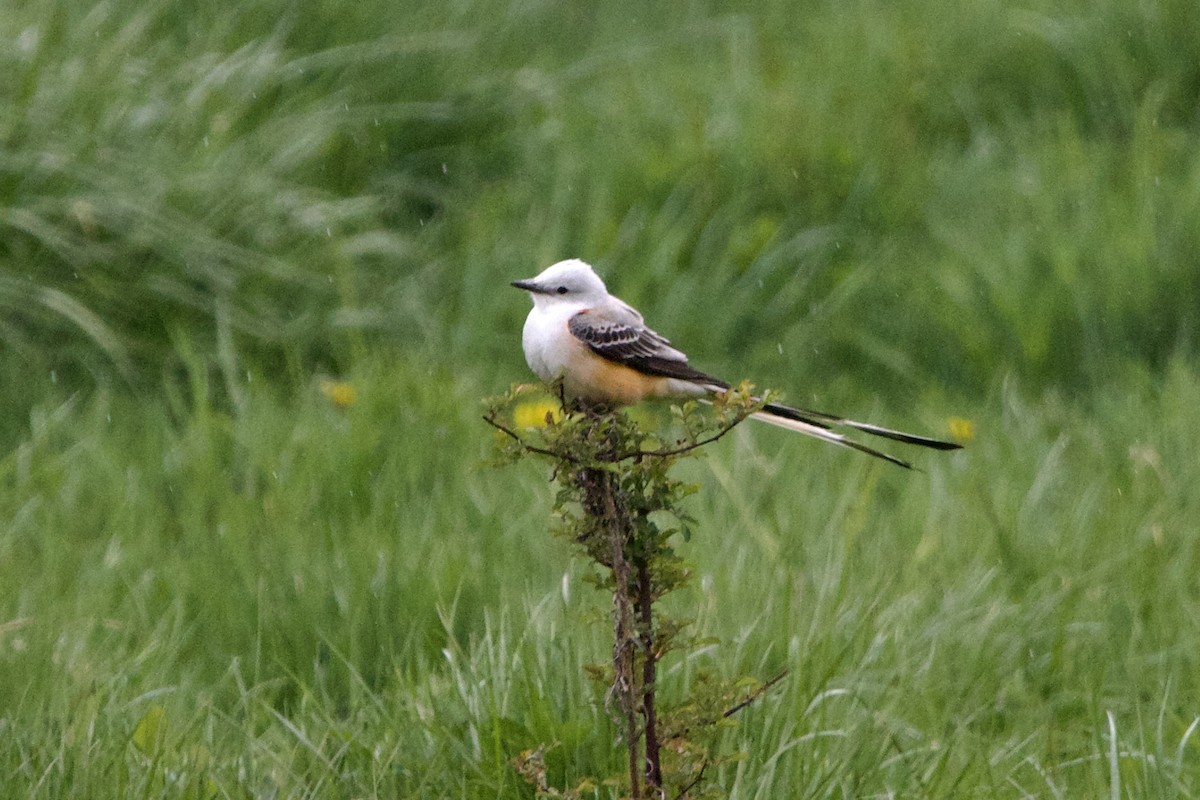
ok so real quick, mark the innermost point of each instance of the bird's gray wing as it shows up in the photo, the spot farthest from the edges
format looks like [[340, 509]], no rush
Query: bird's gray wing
[[616, 332]]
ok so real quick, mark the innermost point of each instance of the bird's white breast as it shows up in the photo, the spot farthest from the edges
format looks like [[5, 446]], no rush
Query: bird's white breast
[[547, 343]]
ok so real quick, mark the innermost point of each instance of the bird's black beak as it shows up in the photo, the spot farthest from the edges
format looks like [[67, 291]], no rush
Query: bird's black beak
[[529, 286]]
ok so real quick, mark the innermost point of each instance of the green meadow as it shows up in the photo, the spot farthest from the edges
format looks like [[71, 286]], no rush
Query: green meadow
[[254, 266]]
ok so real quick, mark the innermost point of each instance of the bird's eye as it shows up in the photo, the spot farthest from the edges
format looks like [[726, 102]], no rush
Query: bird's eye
[[561, 290]]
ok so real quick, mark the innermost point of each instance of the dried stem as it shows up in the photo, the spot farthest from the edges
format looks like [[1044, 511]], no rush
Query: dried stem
[[600, 494], [650, 655]]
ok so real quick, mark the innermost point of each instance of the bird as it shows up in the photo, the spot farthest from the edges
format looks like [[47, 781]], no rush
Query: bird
[[606, 356]]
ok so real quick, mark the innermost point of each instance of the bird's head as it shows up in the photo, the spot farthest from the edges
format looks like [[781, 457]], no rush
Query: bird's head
[[572, 281]]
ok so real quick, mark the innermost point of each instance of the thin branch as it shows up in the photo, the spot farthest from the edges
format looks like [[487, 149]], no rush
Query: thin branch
[[490, 419], [676, 451], [692, 785], [757, 693], [665, 452], [729, 712]]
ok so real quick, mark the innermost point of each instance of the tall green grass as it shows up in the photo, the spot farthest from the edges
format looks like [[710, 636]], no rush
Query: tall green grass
[[985, 184], [305, 601], [256, 177], [214, 582]]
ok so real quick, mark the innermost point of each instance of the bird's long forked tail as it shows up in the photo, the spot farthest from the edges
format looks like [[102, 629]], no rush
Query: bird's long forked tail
[[819, 425]]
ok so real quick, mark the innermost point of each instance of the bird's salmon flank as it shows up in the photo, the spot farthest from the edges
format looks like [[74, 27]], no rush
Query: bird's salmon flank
[[605, 353]]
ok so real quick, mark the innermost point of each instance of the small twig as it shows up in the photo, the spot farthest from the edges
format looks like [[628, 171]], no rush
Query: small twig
[[490, 419], [692, 785], [729, 712], [757, 693], [676, 451], [663, 452], [616, 458]]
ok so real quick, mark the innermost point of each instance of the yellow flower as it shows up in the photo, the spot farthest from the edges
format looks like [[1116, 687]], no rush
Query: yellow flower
[[341, 393], [961, 429], [533, 413]]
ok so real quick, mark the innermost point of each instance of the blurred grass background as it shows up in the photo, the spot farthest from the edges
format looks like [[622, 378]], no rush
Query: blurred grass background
[[215, 582]]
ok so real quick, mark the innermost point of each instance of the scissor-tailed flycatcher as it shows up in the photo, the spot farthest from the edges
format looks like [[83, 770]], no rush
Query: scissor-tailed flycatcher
[[605, 354]]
